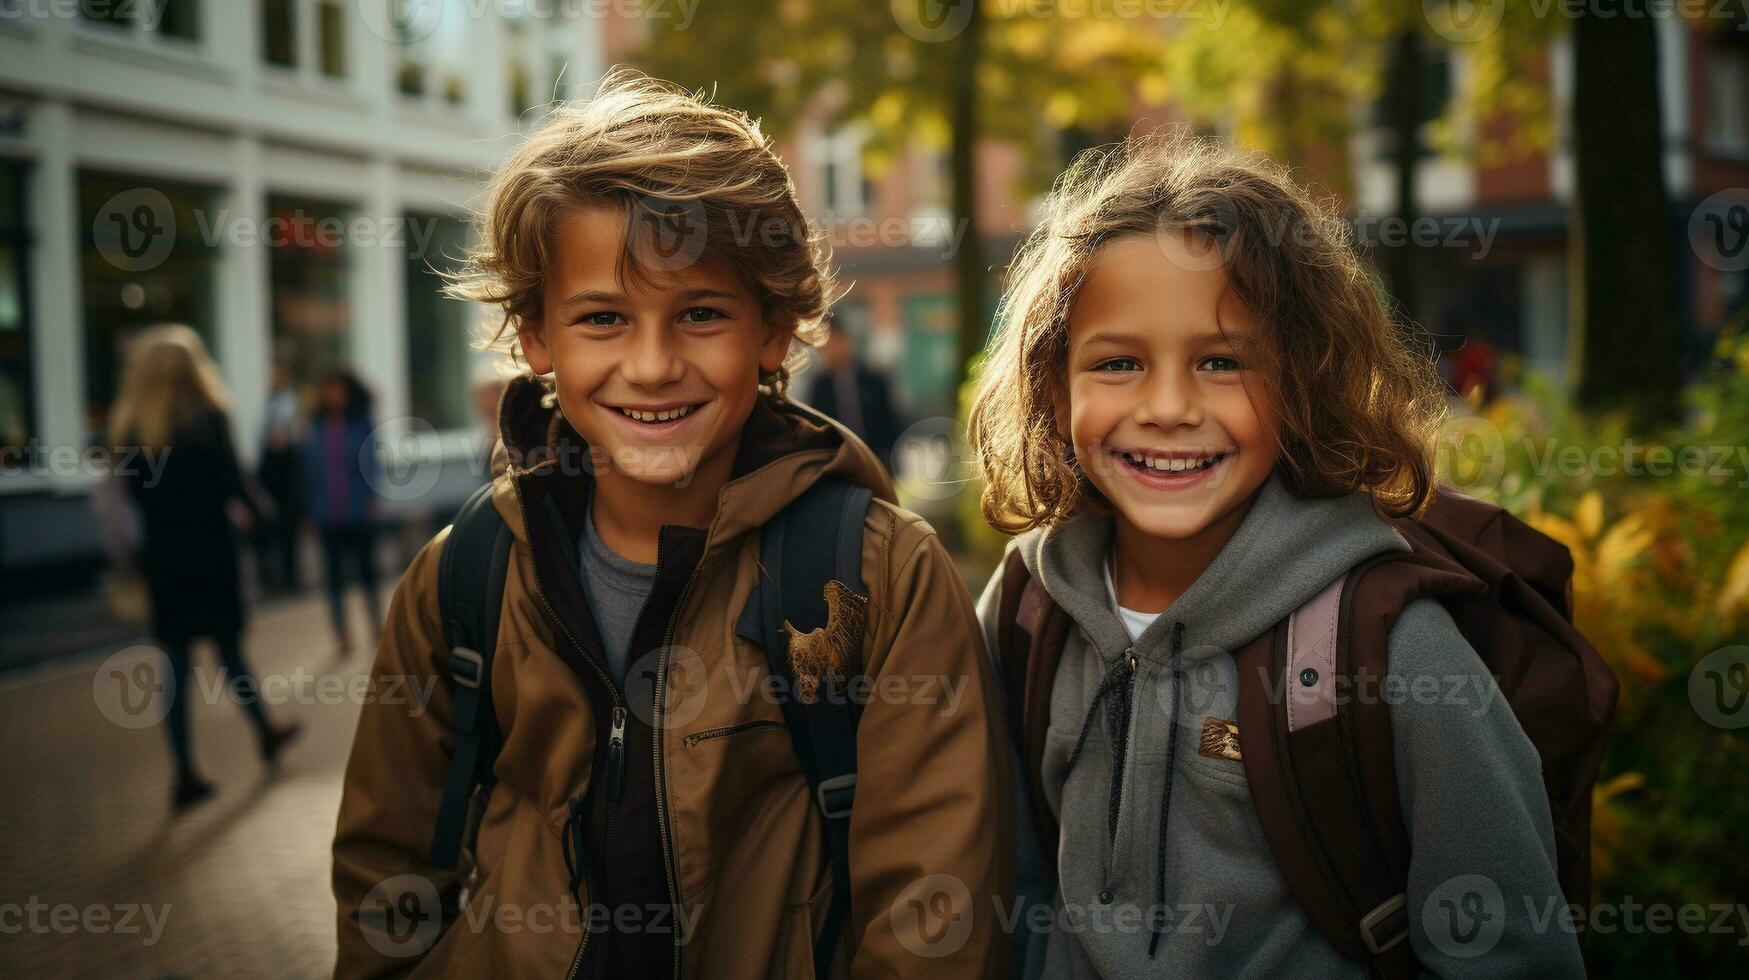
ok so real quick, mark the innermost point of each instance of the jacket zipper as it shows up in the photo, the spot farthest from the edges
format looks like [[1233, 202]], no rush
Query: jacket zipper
[[710, 733], [656, 755], [613, 693]]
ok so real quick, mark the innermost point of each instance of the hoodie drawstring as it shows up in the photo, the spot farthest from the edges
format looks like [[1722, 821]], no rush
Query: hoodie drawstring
[[1117, 687], [1159, 918]]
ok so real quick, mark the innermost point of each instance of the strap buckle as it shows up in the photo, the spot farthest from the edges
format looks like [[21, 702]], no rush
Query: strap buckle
[[1387, 909], [836, 795], [466, 667]]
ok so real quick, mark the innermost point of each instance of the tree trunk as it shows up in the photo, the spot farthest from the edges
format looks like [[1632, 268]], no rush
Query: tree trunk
[[1403, 116], [1622, 291], [969, 261]]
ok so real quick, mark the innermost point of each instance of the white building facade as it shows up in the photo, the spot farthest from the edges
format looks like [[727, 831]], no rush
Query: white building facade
[[289, 177]]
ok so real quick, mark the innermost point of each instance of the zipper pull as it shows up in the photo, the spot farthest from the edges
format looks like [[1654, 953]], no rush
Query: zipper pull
[[616, 755], [571, 840]]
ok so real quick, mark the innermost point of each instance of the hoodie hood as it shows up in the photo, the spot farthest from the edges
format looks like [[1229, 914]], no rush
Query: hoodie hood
[[785, 449], [1283, 553]]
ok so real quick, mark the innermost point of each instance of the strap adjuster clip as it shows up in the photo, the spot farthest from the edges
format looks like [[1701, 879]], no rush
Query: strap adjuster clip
[[836, 795], [1386, 909], [467, 667]]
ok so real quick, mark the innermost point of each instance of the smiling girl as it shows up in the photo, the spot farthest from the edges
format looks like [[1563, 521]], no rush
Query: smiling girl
[[1198, 416]]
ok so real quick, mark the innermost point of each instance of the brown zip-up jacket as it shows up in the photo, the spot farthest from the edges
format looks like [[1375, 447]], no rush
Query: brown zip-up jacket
[[709, 862]]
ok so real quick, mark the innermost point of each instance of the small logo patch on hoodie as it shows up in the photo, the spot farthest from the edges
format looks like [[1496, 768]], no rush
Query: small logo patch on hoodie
[[1220, 739]]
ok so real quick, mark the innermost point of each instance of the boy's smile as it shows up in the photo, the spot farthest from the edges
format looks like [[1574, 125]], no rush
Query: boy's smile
[[1158, 410], [658, 376]]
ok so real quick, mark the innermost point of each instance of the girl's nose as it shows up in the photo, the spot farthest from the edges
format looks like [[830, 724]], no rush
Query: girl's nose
[[1169, 399]]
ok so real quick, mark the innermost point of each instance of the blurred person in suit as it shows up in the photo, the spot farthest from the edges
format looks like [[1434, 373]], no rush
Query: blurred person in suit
[[855, 394]]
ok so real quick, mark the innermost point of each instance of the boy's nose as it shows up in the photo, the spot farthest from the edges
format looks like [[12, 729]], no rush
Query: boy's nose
[[651, 360]]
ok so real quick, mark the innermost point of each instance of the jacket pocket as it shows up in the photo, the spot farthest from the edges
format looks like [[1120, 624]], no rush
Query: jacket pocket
[[726, 730], [801, 923]]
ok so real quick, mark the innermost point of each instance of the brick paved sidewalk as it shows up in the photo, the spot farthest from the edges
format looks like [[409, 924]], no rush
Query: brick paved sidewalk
[[98, 878]]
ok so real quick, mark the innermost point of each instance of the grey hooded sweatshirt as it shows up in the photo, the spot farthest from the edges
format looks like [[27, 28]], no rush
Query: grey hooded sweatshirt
[[1483, 896]]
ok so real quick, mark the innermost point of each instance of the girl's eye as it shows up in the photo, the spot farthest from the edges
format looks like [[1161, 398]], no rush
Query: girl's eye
[[1219, 363], [1119, 364], [701, 314], [603, 319]]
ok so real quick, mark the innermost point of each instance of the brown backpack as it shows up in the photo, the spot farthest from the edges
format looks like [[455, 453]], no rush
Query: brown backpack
[[1320, 765]]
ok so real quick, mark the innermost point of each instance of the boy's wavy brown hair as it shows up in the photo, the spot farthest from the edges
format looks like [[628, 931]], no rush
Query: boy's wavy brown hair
[[698, 183], [1356, 398]]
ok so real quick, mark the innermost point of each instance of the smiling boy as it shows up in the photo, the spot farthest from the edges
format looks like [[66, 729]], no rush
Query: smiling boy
[[649, 808]]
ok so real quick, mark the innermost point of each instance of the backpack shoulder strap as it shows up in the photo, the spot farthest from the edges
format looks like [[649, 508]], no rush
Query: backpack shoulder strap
[[810, 613], [1315, 739], [470, 590], [1031, 630]]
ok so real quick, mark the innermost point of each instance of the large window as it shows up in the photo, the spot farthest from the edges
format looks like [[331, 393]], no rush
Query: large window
[[145, 262], [17, 388], [439, 329], [310, 281], [284, 25], [279, 32], [331, 36], [436, 55], [179, 19]]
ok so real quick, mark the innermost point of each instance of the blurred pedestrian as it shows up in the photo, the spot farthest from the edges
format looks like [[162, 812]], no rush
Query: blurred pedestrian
[[856, 395], [340, 480], [276, 541], [173, 403]]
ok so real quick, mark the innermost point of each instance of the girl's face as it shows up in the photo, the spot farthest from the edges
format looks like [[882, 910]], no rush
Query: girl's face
[[1158, 408]]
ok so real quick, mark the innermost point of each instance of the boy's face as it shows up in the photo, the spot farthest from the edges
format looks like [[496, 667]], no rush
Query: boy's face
[[1158, 410], [658, 376]]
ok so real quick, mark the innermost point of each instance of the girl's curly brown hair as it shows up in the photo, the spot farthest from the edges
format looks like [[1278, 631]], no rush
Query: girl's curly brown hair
[[698, 183], [1356, 398]]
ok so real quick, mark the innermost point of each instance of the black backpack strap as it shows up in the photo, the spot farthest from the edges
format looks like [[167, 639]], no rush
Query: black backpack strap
[[470, 590], [809, 614]]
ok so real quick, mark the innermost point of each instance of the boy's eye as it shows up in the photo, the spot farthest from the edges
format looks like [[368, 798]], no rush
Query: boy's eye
[[602, 319], [701, 314], [1219, 362], [1119, 364]]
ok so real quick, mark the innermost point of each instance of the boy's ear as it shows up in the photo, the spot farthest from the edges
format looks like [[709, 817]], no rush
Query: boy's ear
[[534, 348], [776, 347]]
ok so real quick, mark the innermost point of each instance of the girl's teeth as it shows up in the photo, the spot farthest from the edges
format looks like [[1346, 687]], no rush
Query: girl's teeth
[[643, 416], [1177, 465]]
